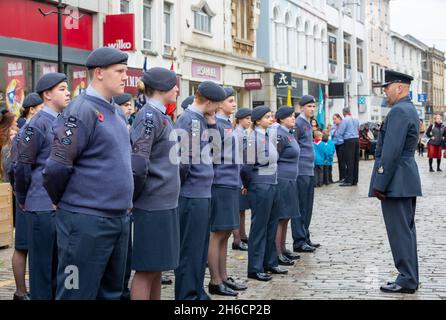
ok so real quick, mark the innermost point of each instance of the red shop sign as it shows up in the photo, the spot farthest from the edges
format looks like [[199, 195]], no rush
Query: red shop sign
[[133, 76], [119, 31], [253, 84]]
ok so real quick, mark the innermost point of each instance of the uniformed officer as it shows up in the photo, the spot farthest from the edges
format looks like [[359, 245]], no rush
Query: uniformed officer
[[396, 181], [32, 104], [156, 245], [34, 147], [225, 215], [288, 169], [197, 175], [259, 176], [89, 178], [242, 127], [300, 226]]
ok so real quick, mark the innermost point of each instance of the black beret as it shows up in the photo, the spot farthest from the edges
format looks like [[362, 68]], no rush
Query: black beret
[[392, 76], [259, 112], [284, 112], [229, 92], [306, 100], [49, 81], [212, 91], [243, 113], [31, 100], [187, 102], [120, 100], [160, 79], [106, 56]]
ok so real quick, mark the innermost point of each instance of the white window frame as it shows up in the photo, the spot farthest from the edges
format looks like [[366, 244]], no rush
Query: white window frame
[[168, 43], [203, 23], [129, 6], [147, 4]]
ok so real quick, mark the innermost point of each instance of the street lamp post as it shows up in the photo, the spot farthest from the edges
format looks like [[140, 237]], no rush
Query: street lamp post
[[60, 13]]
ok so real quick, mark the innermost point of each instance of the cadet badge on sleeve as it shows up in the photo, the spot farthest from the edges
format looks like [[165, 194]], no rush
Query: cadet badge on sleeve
[[381, 170]]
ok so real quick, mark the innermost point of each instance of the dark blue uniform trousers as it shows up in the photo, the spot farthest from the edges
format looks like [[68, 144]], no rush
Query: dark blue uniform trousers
[[399, 217], [42, 255], [194, 243], [264, 201], [128, 265], [92, 254], [300, 226]]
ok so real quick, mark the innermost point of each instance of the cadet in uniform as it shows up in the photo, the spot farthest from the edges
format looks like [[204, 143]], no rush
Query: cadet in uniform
[[396, 181], [33, 149], [187, 102], [32, 104], [242, 125], [288, 169], [197, 175], [300, 226], [259, 176], [125, 102], [156, 245], [225, 215], [89, 178]]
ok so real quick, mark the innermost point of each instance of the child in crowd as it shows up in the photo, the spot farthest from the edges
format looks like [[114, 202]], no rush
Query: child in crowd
[[319, 161], [329, 155]]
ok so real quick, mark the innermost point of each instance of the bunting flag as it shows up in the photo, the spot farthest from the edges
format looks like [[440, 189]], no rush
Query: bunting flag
[[170, 108], [321, 110]]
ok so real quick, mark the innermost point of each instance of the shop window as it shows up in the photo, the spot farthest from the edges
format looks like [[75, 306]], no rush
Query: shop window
[[15, 82]]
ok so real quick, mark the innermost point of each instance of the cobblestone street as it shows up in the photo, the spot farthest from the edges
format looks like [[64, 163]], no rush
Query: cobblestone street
[[354, 259]]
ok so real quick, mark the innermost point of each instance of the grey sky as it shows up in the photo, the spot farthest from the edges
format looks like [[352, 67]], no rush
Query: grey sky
[[423, 19]]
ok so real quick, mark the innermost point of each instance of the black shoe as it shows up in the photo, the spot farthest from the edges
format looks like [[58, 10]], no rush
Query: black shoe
[[244, 240], [237, 286], [439, 170], [284, 261], [261, 276], [241, 246], [431, 170], [314, 245], [292, 256], [19, 298], [395, 288], [165, 280], [276, 270], [304, 248], [346, 184], [222, 290]]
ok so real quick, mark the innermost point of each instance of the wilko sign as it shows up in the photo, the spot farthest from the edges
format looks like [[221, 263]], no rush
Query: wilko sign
[[253, 84], [119, 31]]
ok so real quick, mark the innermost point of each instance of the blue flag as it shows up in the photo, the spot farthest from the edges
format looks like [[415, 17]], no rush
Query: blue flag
[[321, 110], [145, 66]]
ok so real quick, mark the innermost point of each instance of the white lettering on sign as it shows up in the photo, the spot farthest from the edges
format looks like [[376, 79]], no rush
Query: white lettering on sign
[[132, 81], [121, 45], [15, 69], [79, 75], [207, 72]]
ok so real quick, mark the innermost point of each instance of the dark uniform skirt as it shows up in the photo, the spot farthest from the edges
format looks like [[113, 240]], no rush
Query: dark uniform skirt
[[22, 229], [225, 212], [289, 203], [156, 240], [243, 201]]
